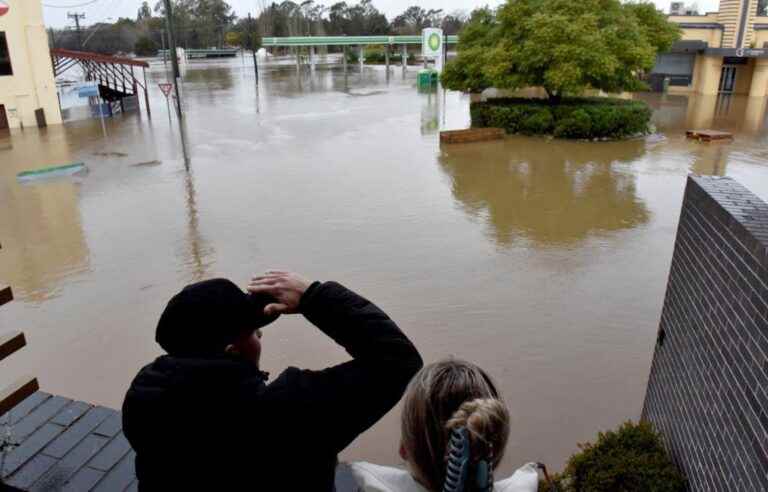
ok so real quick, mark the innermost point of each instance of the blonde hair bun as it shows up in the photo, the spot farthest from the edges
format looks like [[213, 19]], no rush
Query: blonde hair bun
[[487, 420]]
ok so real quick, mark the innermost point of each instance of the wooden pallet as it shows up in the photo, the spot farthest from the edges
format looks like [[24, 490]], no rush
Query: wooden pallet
[[472, 135], [709, 135]]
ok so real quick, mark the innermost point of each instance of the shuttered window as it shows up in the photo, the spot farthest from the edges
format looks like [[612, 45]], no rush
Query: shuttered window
[[674, 64]]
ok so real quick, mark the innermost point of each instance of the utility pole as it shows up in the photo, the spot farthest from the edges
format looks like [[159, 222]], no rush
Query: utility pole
[[174, 55], [252, 42], [165, 53], [76, 17]]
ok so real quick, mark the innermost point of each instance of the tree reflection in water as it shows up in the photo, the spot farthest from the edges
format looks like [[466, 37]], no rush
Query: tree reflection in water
[[551, 192]]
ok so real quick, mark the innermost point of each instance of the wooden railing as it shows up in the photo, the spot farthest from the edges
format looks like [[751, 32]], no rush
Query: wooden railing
[[12, 395]]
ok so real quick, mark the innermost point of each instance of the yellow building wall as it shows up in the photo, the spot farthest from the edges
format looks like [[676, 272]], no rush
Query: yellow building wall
[[759, 85], [744, 78], [706, 74], [761, 37], [712, 36], [32, 85]]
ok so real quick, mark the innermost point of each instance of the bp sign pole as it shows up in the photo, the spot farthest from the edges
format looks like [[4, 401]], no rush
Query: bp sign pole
[[174, 55]]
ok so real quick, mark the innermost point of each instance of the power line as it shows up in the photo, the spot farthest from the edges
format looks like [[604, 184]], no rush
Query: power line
[[91, 2]]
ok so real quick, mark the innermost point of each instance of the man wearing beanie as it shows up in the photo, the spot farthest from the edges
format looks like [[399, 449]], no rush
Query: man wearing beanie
[[205, 417]]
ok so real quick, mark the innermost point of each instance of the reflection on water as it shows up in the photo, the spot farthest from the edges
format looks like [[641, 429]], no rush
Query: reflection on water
[[40, 225], [544, 261], [549, 193], [197, 256]]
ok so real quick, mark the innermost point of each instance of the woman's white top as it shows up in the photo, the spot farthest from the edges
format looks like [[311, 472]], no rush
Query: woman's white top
[[375, 478]]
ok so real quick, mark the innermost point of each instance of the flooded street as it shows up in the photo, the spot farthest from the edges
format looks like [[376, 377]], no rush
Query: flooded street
[[543, 261]]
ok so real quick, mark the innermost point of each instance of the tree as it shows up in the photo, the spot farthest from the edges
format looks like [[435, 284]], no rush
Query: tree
[[562, 46], [233, 38], [467, 72], [453, 23], [250, 33], [145, 47], [415, 19]]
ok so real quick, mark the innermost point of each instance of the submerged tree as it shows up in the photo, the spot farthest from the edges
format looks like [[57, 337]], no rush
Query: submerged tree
[[562, 46]]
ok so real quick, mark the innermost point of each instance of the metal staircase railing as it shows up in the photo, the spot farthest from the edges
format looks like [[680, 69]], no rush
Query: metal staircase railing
[[25, 386]]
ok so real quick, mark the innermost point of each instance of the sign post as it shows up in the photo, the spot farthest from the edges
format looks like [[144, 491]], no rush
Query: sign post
[[433, 46], [90, 89], [167, 88]]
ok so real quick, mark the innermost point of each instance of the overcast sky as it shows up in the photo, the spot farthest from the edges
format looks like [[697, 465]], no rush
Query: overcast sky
[[101, 10]]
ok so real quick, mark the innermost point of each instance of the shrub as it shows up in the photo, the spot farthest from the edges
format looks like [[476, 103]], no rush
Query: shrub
[[572, 118], [537, 122], [577, 125], [145, 47], [629, 459]]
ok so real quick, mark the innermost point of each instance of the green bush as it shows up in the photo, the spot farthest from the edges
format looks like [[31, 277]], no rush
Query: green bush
[[375, 55], [577, 125], [629, 459], [537, 122], [585, 118], [145, 47]]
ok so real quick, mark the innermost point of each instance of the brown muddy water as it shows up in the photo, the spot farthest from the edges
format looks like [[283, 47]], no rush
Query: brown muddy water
[[543, 261]]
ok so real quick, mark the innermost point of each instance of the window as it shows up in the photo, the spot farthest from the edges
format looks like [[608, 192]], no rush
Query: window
[[762, 8], [5, 57]]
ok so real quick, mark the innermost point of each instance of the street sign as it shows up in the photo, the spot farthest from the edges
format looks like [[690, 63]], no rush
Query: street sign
[[88, 89], [4, 8], [166, 88], [432, 43]]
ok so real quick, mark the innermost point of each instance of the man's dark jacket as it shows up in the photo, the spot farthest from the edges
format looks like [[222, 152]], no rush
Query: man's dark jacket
[[215, 424]]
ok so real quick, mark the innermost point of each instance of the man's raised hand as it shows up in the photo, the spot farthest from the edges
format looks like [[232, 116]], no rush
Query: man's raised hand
[[286, 287]]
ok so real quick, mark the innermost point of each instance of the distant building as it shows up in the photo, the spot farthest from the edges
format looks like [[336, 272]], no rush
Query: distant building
[[27, 86], [720, 52], [680, 8]]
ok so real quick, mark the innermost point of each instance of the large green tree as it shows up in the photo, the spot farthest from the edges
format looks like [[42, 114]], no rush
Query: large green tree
[[563, 46]]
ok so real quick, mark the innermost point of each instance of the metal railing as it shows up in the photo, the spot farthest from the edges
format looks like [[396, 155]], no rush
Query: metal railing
[[25, 386]]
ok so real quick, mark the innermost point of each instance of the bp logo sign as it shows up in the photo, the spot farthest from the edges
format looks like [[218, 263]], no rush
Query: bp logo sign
[[432, 42], [4, 8]]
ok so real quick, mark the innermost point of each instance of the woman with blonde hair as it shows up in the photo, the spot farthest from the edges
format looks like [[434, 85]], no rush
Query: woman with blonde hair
[[454, 431]]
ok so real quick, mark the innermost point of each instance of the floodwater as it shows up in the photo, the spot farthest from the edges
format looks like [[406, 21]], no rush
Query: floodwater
[[543, 261]]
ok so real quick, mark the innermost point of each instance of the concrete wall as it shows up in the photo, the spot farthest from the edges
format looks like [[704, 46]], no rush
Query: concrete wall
[[32, 85], [708, 388]]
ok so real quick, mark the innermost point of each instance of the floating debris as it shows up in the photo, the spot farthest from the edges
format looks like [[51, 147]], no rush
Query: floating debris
[[147, 163], [365, 94], [472, 135], [53, 172], [709, 135], [110, 154]]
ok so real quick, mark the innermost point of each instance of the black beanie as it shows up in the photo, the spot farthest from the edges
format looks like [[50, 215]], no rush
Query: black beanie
[[204, 318]]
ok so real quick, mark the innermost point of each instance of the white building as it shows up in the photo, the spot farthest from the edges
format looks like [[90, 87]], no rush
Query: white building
[[27, 86]]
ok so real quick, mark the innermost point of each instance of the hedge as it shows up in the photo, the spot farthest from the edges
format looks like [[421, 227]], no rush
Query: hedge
[[580, 118], [628, 459]]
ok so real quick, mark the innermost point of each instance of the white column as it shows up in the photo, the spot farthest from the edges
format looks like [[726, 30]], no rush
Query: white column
[[312, 58]]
